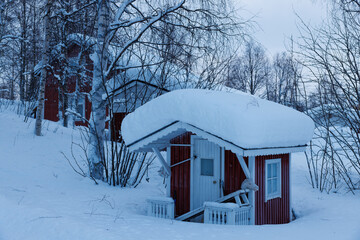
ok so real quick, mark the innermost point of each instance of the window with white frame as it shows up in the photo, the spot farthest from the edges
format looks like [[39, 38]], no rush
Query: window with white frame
[[272, 178], [80, 108]]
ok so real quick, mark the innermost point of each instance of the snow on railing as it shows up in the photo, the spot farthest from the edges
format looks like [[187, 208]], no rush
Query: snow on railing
[[161, 207], [226, 213]]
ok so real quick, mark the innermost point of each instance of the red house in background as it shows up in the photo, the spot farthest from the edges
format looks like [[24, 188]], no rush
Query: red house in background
[[129, 89], [54, 91], [228, 155]]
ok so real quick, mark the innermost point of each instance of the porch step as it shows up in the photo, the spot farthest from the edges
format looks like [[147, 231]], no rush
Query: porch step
[[190, 214], [200, 210]]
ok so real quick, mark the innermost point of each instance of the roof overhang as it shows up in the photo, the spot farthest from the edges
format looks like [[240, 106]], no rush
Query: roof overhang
[[161, 139]]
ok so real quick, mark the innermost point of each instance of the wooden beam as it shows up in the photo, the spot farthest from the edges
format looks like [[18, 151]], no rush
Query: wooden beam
[[162, 160], [245, 199], [244, 166], [180, 145], [237, 200]]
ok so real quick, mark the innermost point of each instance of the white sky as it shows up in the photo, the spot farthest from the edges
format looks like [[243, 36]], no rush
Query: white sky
[[277, 19]]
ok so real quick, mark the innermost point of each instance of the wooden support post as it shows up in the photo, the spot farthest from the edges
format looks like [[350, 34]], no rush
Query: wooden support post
[[243, 166], [168, 182], [290, 191], [252, 193], [162, 160], [250, 174]]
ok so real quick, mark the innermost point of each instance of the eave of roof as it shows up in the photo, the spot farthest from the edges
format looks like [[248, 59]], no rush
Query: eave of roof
[[143, 145], [119, 89]]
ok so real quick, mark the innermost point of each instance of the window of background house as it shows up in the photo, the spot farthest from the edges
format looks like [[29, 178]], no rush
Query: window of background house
[[80, 108]]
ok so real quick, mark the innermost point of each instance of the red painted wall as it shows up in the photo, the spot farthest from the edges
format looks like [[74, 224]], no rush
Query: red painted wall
[[274, 211], [234, 175], [116, 125], [51, 104], [180, 174]]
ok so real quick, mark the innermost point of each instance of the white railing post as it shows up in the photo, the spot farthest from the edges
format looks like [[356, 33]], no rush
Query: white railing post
[[149, 209], [226, 213], [170, 210], [231, 218], [161, 207]]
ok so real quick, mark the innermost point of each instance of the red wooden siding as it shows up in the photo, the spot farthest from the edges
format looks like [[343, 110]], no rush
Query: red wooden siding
[[274, 211], [74, 50], [51, 109], [234, 175], [51, 104], [180, 174], [116, 125]]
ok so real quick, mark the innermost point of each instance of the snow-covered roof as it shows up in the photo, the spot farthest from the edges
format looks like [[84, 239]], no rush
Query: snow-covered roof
[[81, 39], [237, 118]]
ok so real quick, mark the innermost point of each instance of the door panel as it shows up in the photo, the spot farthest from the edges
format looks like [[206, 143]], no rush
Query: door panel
[[206, 172]]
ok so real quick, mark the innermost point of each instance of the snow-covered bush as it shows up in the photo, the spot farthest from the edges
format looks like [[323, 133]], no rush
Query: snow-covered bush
[[333, 158], [121, 167], [22, 108], [331, 54], [125, 168]]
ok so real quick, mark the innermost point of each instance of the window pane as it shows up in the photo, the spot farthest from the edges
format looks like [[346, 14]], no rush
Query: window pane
[[274, 169], [269, 188], [80, 109], [274, 185], [269, 170], [207, 167]]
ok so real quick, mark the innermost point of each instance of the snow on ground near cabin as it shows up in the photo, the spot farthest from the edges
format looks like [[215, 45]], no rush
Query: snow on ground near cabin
[[243, 119], [42, 198]]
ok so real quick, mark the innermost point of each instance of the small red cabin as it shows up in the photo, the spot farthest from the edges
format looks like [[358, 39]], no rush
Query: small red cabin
[[228, 155]]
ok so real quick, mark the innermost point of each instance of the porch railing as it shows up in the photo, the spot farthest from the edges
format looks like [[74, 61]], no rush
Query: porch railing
[[226, 213], [161, 207]]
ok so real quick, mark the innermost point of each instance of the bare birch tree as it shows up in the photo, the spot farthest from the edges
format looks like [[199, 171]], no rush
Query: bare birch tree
[[45, 62], [251, 70], [283, 86], [130, 31], [97, 121]]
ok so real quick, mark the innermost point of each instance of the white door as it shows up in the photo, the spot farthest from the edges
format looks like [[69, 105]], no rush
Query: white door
[[206, 172]]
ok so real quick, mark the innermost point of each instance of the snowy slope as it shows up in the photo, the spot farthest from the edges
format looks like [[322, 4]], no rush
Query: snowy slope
[[243, 119], [42, 198]]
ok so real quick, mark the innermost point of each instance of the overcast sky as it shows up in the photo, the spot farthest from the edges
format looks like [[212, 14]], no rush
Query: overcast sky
[[277, 19]]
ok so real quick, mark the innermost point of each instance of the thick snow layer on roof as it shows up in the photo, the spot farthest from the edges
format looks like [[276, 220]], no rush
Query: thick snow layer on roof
[[243, 119]]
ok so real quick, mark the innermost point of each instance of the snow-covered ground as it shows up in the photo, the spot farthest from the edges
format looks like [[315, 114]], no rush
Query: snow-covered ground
[[41, 197]]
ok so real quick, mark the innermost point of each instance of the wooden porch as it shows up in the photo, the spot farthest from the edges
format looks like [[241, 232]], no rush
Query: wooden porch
[[220, 211]]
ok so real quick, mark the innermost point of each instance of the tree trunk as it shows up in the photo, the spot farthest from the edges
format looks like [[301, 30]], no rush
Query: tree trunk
[[45, 62], [98, 112], [23, 52]]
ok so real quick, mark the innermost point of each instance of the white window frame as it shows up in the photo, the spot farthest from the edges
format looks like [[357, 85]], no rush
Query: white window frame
[[81, 100], [278, 193]]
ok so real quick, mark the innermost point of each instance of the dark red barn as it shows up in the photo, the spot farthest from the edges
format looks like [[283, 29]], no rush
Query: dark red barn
[[228, 155]]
